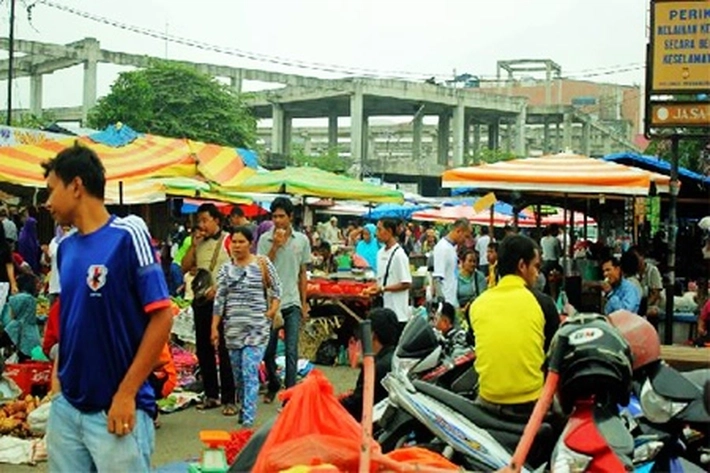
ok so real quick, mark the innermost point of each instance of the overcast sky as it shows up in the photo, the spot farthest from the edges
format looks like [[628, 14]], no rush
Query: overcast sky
[[390, 36]]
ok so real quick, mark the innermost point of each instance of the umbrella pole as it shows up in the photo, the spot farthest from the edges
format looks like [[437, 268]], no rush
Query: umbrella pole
[[491, 222], [120, 197], [368, 395], [586, 221]]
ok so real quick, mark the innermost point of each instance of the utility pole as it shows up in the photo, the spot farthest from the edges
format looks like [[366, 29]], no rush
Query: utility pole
[[10, 63]]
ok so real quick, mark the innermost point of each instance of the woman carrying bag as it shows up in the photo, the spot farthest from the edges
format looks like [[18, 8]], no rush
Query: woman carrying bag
[[248, 293]]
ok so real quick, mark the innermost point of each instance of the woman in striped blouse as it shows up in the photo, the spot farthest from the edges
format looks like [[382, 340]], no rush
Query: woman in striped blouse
[[242, 301]]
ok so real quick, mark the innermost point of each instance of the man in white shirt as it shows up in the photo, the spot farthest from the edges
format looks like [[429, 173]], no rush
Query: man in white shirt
[[446, 262], [393, 275], [482, 247]]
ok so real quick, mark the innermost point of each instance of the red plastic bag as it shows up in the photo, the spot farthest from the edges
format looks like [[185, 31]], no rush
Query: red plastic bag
[[312, 428]]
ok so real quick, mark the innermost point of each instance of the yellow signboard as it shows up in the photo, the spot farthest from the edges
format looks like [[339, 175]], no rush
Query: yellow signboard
[[680, 114], [680, 42]]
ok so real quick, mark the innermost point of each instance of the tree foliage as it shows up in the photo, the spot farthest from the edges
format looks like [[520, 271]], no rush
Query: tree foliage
[[174, 100], [690, 153], [487, 155]]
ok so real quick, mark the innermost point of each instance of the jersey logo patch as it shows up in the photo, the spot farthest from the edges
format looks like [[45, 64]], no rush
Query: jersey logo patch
[[96, 276]]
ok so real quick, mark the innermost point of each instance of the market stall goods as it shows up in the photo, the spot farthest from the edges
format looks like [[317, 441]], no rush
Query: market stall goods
[[14, 414]]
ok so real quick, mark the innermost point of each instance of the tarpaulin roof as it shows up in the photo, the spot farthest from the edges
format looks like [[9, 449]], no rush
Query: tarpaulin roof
[[129, 156], [451, 214], [559, 173], [315, 182], [655, 164], [401, 211]]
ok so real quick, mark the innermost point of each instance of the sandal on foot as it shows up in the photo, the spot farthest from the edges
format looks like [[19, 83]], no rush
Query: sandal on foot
[[229, 410], [208, 404]]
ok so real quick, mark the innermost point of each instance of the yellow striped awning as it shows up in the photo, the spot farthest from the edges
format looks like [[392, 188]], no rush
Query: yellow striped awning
[[147, 156], [559, 173]]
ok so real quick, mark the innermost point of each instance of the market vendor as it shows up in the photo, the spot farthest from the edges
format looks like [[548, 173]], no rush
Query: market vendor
[[385, 335], [620, 293]]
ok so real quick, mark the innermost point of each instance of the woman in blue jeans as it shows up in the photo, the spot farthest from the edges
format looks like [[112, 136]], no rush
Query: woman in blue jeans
[[248, 292]]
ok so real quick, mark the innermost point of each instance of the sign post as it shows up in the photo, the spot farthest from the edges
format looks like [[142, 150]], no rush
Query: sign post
[[677, 97]]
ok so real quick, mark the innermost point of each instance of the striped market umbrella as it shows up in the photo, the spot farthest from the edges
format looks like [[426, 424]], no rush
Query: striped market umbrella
[[560, 174]]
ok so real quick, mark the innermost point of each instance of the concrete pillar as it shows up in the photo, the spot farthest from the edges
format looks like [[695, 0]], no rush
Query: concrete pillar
[[90, 73], [546, 137], [236, 81], [366, 138], [607, 145], [520, 132], [558, 138], [307, 144], [567, 132], [509, 132], [443, 139], [332, 131], [277, 129], [36, 94], [476, 142], [91, 52], [467, 143], [287, 127], [356, 135], [459, 123], [493, 135], [586, 141], [417, 137]]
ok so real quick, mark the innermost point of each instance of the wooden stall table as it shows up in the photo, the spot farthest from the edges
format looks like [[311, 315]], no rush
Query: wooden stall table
[[325, 291], [685, 358]]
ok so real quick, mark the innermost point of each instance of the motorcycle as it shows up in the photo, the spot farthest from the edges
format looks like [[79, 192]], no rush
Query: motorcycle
[[435, 418], [427, 358], [597, 374]]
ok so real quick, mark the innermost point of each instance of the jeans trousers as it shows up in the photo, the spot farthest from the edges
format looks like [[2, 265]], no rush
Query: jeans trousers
[[79, 441], [292, 327], [206, 358], [245, 365]]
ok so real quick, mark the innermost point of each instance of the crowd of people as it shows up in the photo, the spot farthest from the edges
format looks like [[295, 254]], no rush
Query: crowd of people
[[110, 287]]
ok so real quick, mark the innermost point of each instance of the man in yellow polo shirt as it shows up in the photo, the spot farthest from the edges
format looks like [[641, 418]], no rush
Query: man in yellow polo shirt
[[513, 325]]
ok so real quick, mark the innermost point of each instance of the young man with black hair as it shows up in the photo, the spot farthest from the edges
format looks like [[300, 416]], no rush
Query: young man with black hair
[[290, 251], [238, 219], [385, 335], [446, 262], [393, 275], [114, 321], [208, 251], [513, 325], [454, 336]]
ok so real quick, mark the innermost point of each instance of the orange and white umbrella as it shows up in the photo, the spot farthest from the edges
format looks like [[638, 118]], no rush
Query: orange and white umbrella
[[559, 173]]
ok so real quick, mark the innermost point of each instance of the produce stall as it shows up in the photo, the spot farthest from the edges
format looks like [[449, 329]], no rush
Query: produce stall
[[347, 295]]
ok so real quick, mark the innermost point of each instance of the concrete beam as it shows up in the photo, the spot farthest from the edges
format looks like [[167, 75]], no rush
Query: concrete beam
[[442, 148], [293, 95], [333, 131], [60, 114]]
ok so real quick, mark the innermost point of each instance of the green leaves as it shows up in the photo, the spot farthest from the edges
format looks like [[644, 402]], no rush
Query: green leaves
[[174, 100]]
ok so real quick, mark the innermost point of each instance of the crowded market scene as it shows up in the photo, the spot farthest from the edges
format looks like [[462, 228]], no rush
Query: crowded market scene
[[254, 290]]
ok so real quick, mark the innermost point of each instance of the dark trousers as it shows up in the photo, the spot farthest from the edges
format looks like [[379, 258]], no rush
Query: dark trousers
[[292, 327], [206, 358]]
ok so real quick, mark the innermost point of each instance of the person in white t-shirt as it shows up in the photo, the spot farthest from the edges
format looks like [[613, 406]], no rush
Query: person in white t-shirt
[[446, 262], [393, 275], [50, 258], [482, 248]]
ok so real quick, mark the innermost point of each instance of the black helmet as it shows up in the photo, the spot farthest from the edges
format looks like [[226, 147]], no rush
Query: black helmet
[[592, 359]]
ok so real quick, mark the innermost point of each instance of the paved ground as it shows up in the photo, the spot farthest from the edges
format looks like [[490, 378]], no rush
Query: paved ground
[[177, 439]]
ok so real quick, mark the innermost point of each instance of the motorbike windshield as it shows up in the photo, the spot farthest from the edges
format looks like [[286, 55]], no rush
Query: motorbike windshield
[[417, 340]]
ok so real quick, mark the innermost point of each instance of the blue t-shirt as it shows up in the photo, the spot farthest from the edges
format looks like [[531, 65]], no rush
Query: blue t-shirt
[[111, 280]]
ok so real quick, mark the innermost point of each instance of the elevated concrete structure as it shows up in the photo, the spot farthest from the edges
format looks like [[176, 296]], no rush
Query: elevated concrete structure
[[467, 118]]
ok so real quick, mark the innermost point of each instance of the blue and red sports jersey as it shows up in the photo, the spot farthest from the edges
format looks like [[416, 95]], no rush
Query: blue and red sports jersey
[[111, 281]]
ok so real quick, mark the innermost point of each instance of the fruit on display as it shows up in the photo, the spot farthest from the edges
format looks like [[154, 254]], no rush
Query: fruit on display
[[13, 416]]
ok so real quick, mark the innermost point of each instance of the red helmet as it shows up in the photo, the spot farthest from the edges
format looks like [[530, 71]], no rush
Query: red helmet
[[640, 335]]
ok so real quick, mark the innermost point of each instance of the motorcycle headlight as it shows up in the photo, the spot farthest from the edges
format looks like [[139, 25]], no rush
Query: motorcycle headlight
[[656, 408], [566, 460]]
